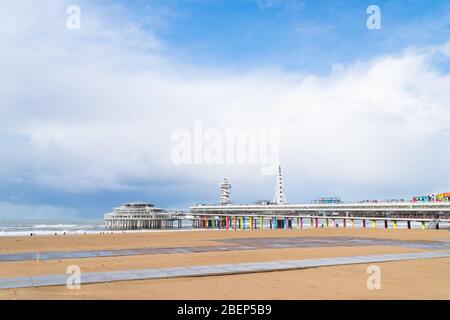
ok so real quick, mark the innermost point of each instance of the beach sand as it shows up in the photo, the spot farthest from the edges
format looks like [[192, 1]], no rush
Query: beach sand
[[416, 279]]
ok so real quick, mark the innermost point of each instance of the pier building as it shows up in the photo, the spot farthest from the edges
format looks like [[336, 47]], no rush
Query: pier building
[[140, 215]]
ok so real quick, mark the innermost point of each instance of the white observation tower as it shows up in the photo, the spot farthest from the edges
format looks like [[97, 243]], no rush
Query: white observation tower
[[225, 192], [279, 197]]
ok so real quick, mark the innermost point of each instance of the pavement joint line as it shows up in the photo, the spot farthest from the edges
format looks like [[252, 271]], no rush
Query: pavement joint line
[[212, 270]]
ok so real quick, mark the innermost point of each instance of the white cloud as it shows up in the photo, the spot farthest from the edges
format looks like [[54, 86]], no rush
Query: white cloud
[[96, 109]]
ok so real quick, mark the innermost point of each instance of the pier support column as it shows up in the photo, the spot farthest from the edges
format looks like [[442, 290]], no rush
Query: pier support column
[[345, 223], [301, 223], [326, 222], [353, 223], [251, 223], [241, 223], [270, 223], [409, 224], [234, 222], [261, 223], [364, 223], [312, 223], [385, 224], [226, 222], [317, 223]]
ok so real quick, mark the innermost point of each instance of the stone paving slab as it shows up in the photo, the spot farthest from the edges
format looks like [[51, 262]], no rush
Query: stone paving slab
[[51, 280], [225, 269], [17, 257], [115, 276], [84, 254], [21, 282]]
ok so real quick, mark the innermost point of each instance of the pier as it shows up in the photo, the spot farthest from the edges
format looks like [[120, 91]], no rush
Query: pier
[[138, 216], [240, 221], [428, 211]]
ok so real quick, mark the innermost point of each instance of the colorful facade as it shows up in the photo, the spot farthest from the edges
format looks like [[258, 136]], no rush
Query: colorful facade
[[441, 197]]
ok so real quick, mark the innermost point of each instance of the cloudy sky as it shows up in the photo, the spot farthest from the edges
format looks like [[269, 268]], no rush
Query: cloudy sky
[[87, 115]]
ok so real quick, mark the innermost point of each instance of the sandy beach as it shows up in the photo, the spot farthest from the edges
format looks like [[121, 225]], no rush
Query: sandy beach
[[416, 279]]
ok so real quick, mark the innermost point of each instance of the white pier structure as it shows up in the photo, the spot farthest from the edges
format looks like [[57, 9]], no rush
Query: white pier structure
[[239, 217], [280, 214], [135, 216], [386, 209], [374, 209]]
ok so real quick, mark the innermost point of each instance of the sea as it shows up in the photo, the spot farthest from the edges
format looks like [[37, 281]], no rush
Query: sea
[[96, 226], [66, 227], [50, 227]]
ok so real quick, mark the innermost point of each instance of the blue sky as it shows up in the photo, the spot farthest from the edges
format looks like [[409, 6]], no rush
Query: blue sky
[[87, 115], [306, 36]]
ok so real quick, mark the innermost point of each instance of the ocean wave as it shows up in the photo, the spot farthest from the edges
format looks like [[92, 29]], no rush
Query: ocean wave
[[57, 226], [21, 229]]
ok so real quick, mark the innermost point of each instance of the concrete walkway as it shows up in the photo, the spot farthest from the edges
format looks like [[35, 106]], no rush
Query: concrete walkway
[[232, 245], [212, 270]]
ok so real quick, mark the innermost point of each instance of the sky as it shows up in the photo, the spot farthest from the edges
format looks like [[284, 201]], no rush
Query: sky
[[88, 115]]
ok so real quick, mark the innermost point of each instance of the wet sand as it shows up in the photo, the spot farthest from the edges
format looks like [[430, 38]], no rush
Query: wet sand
[[417, 279]]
